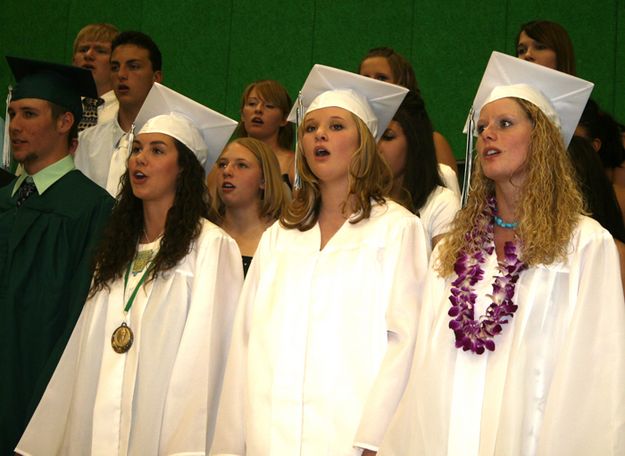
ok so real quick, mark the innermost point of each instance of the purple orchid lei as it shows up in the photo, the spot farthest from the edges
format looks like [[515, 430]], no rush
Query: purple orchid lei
[[477, 335]]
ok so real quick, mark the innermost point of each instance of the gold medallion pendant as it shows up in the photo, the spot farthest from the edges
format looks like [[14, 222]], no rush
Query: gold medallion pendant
[[142, 259], [122, 339]]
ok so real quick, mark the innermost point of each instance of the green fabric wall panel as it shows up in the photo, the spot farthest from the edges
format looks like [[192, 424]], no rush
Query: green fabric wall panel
[[32, 29], [619, 76], [194, 41], [82, 13], [270, 40], [450, 49], [344, 31]]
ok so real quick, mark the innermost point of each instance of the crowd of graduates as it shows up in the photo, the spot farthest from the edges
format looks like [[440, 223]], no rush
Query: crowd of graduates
[[304, 280]]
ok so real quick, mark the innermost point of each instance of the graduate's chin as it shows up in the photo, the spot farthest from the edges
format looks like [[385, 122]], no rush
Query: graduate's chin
[[24, 159]]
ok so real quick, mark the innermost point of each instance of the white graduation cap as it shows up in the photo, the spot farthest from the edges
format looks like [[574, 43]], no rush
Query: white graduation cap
[[373, 101], [560, 96], [201, 129]]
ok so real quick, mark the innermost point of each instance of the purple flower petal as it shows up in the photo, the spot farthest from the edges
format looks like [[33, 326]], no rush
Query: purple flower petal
[[455, 325], [453, 311]]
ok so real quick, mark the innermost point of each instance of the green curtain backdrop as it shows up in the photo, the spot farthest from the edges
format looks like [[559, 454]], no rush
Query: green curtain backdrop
[[213, 49]]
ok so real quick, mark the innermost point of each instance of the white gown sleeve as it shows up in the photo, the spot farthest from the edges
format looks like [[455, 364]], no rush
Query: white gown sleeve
[[193, 394], [585, 408], [446, 205], [450, 179], [404, 270], [403, 432], [438, 212], [230, 427]]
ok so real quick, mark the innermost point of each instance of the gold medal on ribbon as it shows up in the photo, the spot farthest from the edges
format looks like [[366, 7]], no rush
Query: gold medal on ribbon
[[122, 339], [142, 259]]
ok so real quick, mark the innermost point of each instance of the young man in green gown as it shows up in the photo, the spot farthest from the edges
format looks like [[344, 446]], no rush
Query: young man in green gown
[[51, 217]]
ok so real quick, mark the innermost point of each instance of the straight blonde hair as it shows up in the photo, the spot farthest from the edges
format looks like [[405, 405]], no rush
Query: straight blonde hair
[[369, 178], [96, 32], [272, 197]]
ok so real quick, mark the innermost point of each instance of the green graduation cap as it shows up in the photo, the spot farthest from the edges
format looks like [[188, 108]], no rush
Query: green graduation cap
[[60, 84]]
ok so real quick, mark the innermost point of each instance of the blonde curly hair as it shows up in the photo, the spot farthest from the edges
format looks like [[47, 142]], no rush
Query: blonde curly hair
[[549, 206], [369, 178]]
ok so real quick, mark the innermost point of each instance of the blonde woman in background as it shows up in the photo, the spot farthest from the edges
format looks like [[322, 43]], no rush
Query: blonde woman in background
[[265, 105], [248, 195]]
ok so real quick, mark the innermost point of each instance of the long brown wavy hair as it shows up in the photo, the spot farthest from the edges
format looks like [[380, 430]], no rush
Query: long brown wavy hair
[[549, 206], [369, 178], [184, 222]]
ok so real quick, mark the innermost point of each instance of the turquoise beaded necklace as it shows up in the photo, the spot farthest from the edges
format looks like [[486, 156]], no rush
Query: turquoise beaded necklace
[[508, 225]]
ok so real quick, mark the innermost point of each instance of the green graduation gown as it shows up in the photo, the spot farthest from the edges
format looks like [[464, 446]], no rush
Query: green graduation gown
[[46, 253], [5, 177]]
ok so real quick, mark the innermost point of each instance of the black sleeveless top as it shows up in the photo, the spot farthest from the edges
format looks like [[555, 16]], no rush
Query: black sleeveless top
[[247, 260]]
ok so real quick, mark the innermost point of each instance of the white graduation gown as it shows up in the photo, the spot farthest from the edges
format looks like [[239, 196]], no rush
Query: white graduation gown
[[323, 340], [450, 178], [161, 397], [108, 111], [102, 153], [438, 212], [555, 384]]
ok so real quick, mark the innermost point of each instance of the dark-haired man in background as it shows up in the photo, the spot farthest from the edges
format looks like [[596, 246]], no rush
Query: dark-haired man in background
[[103, 149]]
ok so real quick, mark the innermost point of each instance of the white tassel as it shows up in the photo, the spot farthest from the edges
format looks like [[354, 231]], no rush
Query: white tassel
[[468, 160], [299, 116], [131, 138]]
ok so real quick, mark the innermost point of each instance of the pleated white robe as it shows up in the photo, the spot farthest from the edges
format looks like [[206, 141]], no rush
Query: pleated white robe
[[555, 384], [161, 397], [323, 340]]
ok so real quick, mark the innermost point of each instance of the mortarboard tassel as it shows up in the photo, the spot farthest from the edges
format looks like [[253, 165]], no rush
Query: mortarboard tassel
[[468, 160], [299, 112], [131, 138]]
